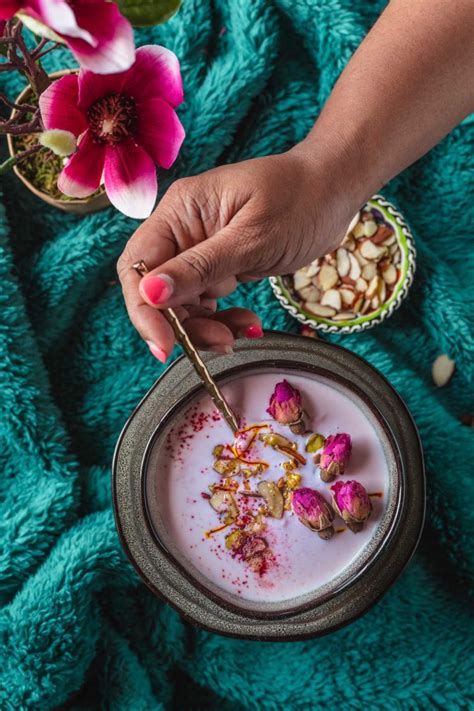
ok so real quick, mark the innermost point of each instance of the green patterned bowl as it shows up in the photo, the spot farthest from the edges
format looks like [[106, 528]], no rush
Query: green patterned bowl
[[283, 287]]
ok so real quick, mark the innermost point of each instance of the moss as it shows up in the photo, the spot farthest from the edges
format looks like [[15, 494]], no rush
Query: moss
[[43, 167]]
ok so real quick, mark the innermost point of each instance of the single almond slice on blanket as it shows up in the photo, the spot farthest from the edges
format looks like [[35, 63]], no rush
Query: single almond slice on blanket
[[442, 370], [318, 310], [332, 298]]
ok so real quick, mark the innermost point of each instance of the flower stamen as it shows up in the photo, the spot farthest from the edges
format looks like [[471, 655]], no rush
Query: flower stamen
[[113, 118]]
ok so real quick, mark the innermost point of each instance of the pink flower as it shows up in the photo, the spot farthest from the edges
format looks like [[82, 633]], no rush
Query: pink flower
[[94, 30], [352, 503], [335, 456], [285, 406], [125, 123], [313, 511]]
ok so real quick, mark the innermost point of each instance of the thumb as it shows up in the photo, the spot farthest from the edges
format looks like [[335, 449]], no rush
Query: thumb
[[188, 275]]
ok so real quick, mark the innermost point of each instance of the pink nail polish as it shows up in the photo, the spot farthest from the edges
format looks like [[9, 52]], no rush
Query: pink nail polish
[[157, 289], [253, 331], [157, 352]]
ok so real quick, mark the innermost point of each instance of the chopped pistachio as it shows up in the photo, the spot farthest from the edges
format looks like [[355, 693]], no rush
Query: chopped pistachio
[[225, 466], [315, 442], [233, 540], [273, 498], [273, 439], [217, 451], [293, 480], [223, 502]]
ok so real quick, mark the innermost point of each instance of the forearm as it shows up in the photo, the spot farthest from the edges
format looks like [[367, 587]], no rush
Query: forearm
[[409, 83]]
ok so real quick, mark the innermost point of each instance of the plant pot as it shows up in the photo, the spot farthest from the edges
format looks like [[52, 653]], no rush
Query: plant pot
[[77, 206]]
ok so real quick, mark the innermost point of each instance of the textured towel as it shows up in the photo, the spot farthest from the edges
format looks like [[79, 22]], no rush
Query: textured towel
[[77, 628]]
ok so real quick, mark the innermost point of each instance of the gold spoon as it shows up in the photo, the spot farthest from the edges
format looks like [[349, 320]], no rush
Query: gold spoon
[[196, 360]]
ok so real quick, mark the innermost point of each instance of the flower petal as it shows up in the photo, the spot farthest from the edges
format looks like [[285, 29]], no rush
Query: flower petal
[[8, 8], [114, 49], [59, 106], [58, 15], [130, 179], [155, 74], [83, 173], [159, 131]]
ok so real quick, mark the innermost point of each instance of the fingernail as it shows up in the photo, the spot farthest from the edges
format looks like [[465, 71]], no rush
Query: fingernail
[[253, 331], [222, 350], [157, 352], [157, 289]]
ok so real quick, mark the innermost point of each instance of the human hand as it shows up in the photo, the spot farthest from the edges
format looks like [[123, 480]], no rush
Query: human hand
[[235, 223]]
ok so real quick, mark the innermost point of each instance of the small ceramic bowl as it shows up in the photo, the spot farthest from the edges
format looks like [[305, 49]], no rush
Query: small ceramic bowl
[[283, 286], [144, 534]]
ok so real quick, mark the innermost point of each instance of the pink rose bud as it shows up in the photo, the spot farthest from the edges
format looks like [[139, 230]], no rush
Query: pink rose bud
[[285, 407], [313, 511], [335, 456], [352, 503]]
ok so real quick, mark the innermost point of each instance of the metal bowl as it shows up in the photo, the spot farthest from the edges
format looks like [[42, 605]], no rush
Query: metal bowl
[[360, 585], [283, 285]]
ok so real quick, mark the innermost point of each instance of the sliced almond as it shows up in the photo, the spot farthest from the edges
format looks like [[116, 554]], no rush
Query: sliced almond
[[389, 241], [313, 268], [358, 304], [389, 274], [383, 232], [342, 262], [393, 249], [365, 306], [301, 279], [344, 316], [332, 298], [350, 244], [355, 271], [442, 370], [327, 277], [370, 228], [382, 291], [369, 271], [397, 258], [362, 260], [318, 310], [369, 250], [375, 303], [372, 288], [358, 230], [347, 296], [353, 222], [310, 293], [361, 284]]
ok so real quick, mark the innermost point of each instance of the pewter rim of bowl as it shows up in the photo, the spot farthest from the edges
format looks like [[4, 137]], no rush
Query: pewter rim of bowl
[[407, 245], [162, 576]]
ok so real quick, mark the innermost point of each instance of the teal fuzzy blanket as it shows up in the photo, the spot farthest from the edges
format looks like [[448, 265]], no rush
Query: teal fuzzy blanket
[[78, 630]]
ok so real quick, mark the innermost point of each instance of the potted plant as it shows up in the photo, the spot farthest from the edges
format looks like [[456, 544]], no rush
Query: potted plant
[[69, 133]]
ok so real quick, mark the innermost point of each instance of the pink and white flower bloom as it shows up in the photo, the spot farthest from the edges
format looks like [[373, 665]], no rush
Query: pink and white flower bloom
[[97, 34], [125, 124]]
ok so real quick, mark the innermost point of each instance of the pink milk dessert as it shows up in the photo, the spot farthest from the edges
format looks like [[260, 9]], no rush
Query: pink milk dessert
[[209, 503]]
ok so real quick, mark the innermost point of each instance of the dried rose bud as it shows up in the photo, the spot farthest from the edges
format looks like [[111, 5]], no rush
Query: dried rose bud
[[335, 456], [285, 407], [352, 503], [313, 510]]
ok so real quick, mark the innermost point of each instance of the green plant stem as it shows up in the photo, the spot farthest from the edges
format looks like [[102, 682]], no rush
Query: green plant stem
[[14, 160]]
